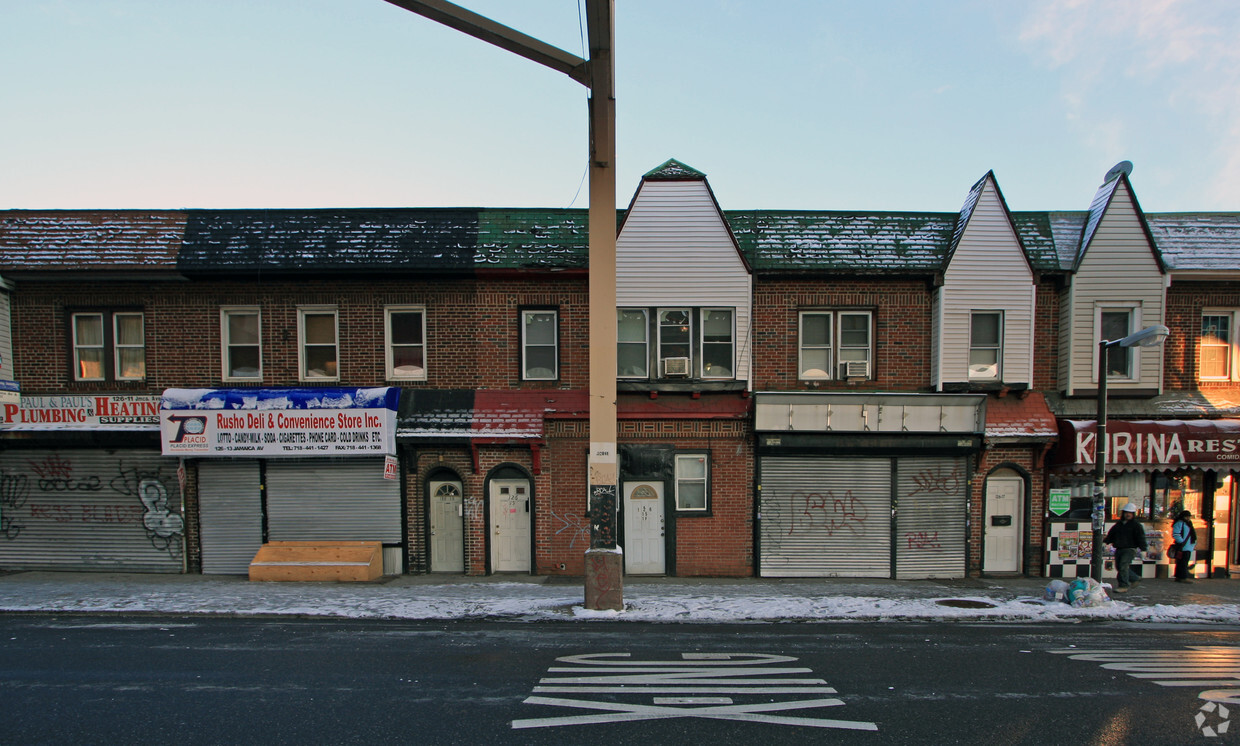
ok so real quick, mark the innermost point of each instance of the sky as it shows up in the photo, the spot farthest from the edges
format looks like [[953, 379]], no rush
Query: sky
[[883, 105]]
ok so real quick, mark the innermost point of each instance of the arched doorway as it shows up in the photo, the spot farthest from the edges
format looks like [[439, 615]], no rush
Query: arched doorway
[[447, 513]]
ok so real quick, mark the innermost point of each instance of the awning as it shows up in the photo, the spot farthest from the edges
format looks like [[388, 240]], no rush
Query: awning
[[1017, 418], [485, 414], [1150, 445]]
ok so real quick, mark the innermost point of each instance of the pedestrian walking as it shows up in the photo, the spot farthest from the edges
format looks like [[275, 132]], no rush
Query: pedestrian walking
[[1184, 539], [1128, 537]]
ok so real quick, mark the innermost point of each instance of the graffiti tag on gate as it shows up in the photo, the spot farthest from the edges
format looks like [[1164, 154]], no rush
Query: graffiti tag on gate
[[937, 481], [826, 512], [14, 491], [923, 540]]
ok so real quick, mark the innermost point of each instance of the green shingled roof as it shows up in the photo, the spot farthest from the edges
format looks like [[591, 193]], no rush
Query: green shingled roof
[[673, 169], [865, 243]]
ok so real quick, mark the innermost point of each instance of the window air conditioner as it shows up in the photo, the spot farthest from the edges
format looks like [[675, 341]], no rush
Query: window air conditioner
[[855, 369], [676, 366]]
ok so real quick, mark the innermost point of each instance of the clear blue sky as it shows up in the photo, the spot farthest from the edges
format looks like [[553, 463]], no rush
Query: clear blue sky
[[886, 105]]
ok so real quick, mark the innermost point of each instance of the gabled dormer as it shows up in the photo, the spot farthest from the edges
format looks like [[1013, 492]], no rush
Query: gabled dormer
[[1117, 286], [982, 334], [683, 288]]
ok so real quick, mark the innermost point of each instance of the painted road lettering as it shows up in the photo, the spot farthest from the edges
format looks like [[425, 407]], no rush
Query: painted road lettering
[[689, 688]]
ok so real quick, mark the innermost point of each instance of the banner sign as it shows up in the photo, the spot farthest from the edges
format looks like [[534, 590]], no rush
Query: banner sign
[[279, 422], [1154, 442], [82, 412]]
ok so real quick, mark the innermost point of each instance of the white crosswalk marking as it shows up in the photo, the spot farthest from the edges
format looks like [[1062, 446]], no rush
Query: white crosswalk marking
[[1196, 666], [735, 674]]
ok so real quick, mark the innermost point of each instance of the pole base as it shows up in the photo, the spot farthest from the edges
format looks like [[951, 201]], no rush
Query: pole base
[[605, 579]]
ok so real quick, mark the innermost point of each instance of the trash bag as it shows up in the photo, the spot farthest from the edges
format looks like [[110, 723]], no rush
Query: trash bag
[[1056, 590], [1086, 592]]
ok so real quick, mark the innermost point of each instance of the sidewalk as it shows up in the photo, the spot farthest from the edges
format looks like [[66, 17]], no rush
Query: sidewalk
[[525, 598]]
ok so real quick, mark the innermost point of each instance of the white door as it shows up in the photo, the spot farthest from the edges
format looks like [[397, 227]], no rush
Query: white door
[[510, 525], [447, 536], [1005, 506], [643, 528]]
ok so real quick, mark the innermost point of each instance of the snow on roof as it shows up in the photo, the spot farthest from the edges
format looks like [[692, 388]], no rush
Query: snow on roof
[[64, 239], [1197, 241], [878, 243]]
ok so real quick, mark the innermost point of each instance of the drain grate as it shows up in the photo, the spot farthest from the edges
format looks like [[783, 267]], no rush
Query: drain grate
[[965, 603]]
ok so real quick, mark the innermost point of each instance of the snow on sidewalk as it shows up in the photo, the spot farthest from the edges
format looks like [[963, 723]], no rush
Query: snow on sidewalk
[[517, 601]]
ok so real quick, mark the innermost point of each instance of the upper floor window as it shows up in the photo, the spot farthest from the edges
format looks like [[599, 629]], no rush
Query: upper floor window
[[632, 343], [1217, 347], [406, 343], [985, 345], [108, 345], [687, 343], [718, 335], [1117, 323], [834, 344], [691, 480], [242, 343], [318, 337], [540, 345]]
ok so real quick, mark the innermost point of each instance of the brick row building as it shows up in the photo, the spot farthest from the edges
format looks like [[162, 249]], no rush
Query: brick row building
[[801, 393]]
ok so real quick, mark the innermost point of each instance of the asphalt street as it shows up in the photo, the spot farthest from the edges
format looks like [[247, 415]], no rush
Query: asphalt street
[[215, 680]]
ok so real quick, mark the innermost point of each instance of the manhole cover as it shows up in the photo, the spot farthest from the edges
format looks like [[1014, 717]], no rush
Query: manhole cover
[[965, 603]]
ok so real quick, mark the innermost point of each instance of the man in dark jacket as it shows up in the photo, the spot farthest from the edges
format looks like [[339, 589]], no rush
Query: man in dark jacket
[[1127, 537]]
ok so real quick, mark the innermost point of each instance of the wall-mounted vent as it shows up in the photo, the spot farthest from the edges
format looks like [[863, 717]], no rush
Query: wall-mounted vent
[[855, 369]]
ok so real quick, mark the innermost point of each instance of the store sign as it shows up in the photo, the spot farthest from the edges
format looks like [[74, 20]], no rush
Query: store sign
[[99, 412], [1153, 442], [1060, 500], [279, 422], [10, 393]]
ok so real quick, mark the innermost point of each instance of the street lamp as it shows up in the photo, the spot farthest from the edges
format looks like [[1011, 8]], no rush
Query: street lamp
[[1150, 336]]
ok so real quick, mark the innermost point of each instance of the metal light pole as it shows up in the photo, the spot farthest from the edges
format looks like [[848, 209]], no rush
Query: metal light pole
[[1148, 337]]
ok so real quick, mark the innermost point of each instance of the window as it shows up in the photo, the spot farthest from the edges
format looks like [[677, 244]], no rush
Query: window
[[675, 342], [691, 482], [717, 343], [242, 343], [849, 357], [632, 340], [406, 343], [985, 346], [539, 346], [1217, 347], [317, 332], [108, 345], [1113, 324], [688, 343]]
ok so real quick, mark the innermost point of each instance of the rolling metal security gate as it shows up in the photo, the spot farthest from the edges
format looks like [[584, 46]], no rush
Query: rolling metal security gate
[[231, 510], [825, 516], [104, 510], [334, 500], [931, 499]]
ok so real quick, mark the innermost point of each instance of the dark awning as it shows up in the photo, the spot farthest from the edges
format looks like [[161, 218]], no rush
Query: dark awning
[[1148, 445]]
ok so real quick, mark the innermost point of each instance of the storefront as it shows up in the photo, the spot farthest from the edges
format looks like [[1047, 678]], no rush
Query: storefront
[[865, 485], [1161, 466], [83, 486], [288, 465]]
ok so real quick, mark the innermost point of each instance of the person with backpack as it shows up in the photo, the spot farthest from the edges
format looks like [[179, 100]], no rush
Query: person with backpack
[[1127, 536], [1184, 538]]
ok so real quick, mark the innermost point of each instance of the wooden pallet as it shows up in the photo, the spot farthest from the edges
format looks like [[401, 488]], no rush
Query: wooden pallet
[[353, 561]]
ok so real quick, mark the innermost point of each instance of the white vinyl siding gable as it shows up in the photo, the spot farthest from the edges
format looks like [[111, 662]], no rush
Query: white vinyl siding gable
[[1117, 271], [675, 251], [988, 272]]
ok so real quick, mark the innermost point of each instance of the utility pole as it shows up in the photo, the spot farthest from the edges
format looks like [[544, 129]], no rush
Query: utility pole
[[604, 563]]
